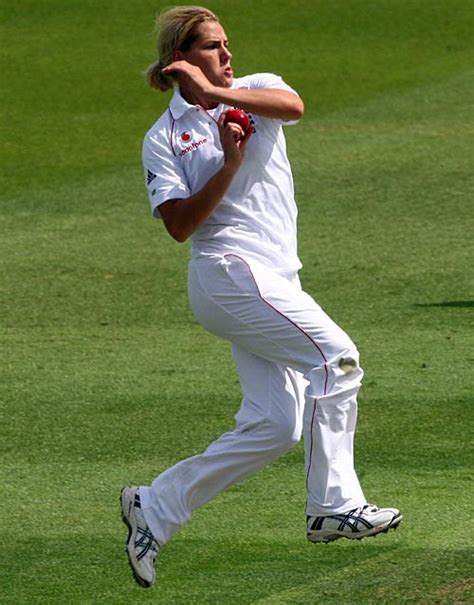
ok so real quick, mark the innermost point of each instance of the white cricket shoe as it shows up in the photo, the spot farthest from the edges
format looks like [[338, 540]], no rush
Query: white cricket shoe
[[142, 548], [367, 520]]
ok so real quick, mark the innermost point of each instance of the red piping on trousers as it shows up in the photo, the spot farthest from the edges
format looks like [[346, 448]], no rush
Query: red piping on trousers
[[307, 336]]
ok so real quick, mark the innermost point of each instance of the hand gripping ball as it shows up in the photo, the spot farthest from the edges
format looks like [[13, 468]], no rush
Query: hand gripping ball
[[237, 116]]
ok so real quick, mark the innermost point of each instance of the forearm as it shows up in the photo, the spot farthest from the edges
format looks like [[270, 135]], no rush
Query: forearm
[[183, 216], [267, 102]]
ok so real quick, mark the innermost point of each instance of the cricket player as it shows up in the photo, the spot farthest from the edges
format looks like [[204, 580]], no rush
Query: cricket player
[[230, 191]]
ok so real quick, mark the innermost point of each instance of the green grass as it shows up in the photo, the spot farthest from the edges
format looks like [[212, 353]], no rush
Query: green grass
[[102, 362]]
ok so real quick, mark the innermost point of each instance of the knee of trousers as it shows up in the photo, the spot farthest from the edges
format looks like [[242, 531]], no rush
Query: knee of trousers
[[340, 373], [283, 433]]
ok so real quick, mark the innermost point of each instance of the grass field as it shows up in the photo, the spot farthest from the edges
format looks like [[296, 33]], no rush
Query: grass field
[[102, 363]]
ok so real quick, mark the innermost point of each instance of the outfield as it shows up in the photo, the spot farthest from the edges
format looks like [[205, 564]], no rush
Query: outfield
[[107, 379]]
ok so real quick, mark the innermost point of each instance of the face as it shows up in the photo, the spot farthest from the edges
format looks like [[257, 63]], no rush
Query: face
[[211, 53]]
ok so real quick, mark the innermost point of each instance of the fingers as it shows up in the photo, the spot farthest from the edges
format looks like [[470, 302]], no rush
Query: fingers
[[192, 78], [242, 135], [175, 66], [184, 70], [236, 131], [233, 140], [230, 130], [246, 137]]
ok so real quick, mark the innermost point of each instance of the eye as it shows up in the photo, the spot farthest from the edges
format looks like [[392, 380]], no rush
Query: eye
[[216, 44]]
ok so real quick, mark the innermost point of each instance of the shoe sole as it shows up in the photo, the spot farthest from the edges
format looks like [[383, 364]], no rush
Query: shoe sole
[[326, 536], [126, 504]]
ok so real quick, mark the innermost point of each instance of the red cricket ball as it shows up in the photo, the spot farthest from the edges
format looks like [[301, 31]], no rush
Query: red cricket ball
[[238, 117]]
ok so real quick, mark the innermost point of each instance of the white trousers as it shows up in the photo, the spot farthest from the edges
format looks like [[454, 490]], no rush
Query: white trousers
[[299, 372]]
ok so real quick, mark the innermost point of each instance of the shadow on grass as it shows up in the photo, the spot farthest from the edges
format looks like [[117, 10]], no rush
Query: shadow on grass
[[73, 569], [449, 303], [93, 569], [376, 571]]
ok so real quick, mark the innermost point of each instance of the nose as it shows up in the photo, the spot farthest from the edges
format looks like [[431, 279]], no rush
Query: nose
[[226, 54]]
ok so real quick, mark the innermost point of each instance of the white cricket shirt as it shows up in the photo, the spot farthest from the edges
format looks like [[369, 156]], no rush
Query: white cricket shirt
[[257, 216]]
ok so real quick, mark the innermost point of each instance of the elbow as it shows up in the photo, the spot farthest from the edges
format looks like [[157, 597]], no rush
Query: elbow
[[178, 228], [180, 231], [297, 109], [179, 235], [181, 238]]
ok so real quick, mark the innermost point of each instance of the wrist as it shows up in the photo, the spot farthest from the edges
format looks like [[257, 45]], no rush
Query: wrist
[[230, 167], [211, 94]]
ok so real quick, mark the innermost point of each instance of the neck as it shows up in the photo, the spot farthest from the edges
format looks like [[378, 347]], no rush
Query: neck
[[193, 99]]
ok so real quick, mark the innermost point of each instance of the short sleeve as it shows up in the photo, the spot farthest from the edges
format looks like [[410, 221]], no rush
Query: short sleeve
[[267, 80], [164, 176]]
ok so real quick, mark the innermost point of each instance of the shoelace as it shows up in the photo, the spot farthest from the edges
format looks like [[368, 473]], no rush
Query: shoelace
[[146, 543], [369, 508]]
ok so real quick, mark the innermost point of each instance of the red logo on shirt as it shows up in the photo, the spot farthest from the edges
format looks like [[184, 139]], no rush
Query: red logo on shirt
[[186, 137], [193, 146]]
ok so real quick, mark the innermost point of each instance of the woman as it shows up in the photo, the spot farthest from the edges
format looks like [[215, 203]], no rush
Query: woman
[[231, 192]]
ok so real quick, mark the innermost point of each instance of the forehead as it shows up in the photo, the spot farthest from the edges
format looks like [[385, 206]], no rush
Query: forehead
[[211, 30]]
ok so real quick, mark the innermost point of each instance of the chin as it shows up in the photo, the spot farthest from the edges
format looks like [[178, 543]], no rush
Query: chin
[[223, 80]]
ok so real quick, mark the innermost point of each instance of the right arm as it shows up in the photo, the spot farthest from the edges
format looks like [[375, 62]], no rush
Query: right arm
[[183, 216]]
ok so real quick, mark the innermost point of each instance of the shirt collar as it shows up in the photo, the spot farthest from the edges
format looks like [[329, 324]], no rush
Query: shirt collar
[[178, 106]]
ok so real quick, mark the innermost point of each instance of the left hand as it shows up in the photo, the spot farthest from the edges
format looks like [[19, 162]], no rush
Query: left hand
[[192, 76], [233, 141]]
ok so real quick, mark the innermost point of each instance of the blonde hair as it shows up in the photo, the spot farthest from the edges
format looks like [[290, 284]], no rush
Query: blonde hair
[[176, 29]]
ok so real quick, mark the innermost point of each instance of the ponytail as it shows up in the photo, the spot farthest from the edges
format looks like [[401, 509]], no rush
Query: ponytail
[[176, 29], [157, 79]]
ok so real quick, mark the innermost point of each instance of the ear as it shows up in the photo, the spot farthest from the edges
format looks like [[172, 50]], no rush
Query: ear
[[177, 55]]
